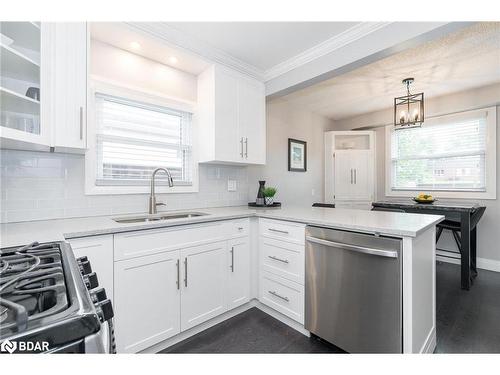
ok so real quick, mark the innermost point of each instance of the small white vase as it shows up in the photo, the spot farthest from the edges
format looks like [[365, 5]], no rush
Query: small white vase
[[269, 201]]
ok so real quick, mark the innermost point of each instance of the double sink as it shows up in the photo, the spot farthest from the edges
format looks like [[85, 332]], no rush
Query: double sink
[[149, 218]]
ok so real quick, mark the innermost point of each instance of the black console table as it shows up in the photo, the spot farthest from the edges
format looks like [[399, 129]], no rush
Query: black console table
[[467, 214]]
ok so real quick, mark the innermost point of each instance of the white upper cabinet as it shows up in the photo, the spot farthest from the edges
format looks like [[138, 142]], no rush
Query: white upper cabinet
[[231, 117], [43, 86]]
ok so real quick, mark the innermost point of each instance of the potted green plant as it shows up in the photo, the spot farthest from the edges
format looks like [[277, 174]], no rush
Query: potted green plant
[[269, 193]]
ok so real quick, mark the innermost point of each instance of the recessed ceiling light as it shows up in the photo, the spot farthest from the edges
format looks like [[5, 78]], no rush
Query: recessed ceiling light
[[173, 60], [135, 45]]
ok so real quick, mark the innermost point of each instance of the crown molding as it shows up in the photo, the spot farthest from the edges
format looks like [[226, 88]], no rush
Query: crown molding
[[334, 43], [178, 39]]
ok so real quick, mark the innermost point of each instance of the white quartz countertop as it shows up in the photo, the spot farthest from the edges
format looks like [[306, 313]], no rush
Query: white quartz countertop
[[386, 223]]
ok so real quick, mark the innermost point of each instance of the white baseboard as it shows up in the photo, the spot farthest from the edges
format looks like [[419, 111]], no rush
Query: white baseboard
[[282, 318], [482, 263]]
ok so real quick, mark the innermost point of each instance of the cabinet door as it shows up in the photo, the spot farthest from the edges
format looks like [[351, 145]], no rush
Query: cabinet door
[[147, 301], [228, 146], [344, 175], [203, 270], [252, 120], [238, 270], [70, 95], [99, 251], [363, 186]]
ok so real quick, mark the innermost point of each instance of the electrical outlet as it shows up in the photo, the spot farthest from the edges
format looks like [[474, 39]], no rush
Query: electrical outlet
[[231, 185]]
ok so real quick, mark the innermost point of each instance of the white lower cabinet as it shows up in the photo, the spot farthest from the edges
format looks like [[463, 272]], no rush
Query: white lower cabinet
[[99, 251], [238, 280], [147, 301], [203, 277]]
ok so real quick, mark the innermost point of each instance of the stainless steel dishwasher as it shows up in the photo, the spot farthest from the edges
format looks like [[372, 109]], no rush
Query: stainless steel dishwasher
[[354, 290]]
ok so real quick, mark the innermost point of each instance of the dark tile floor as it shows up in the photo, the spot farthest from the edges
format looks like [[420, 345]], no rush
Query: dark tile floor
[[467, 322]]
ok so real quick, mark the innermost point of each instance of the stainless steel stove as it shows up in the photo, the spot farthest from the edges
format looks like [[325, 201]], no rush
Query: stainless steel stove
[[49, 302]]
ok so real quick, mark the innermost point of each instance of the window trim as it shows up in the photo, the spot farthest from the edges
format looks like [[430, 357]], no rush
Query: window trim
[[134, 94], [490, 168]]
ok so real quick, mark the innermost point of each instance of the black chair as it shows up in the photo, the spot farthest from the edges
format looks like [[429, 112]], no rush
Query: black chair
[[454, 227], [324, 205]]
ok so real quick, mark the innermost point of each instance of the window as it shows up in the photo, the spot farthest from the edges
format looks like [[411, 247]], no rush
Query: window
[[454, 153], [133, 138]]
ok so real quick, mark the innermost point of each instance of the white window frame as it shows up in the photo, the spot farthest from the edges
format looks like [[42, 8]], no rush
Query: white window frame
[[490, 160], [133, 94]]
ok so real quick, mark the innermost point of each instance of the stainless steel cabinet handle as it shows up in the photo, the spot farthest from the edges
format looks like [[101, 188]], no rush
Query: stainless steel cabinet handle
[[186, 272], [278, 259], [81, 122], [178, 275], [240, 228], [241, 146], [355, 176], [351, 176], [277, 295], [277, 230], [359, 249], [246, 148], [232, 259]]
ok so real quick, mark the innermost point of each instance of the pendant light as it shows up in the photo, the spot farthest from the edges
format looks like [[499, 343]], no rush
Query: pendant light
[[409, 109]]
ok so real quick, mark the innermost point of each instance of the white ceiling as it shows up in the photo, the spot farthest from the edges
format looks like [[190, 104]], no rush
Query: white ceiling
[[462, 60], [120, 35], [262, 44]]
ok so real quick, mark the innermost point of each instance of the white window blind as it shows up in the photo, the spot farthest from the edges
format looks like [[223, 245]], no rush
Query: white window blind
[[135, 138], [443, 154]]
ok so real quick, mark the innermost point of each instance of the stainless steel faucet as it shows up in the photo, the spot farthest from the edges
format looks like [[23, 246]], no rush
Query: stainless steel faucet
[[152, 197]]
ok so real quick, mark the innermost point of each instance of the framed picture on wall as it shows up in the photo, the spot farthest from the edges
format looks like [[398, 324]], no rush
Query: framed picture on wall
[[297, 155]]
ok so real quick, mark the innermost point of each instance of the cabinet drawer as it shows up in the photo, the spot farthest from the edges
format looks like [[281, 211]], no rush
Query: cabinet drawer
[[239, 227], [284, 230], [152, 241], [282, 258], [282, 295]]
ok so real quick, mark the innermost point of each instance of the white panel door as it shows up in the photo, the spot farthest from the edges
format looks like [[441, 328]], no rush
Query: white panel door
[[70, 75], [252, 120], [227, 144], [344, 175], [203, 270], [238, 270], [361, 164], [99, 251], [147, 301]]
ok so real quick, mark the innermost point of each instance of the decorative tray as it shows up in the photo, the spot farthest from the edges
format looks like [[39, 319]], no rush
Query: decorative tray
[[275, 204]]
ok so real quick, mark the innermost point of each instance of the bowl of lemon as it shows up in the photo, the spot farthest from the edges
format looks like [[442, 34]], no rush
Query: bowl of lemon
[[424, 198]]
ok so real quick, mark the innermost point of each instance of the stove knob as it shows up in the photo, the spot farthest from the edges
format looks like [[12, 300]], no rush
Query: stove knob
[[90, 280], [85, 267], [104, 310], [82, 259], [98, 295]]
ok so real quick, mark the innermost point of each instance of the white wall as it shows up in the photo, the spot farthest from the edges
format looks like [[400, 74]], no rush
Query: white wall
[[124, 68], [37, 185], [489, 226], [285, 121]]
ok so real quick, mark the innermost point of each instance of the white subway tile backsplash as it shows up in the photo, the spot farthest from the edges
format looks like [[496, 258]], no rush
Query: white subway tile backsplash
[[38, 186]]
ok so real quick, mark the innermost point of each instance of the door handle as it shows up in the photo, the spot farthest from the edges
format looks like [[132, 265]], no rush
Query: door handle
[[241, 146], [232, 259], [246, 148], [277, 295], [277, 230], [178, 274], [278, 259], [186, 272], [358, 249], [81, 122]]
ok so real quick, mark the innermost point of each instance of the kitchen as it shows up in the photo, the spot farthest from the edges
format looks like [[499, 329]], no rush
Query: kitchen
[[249, 208]]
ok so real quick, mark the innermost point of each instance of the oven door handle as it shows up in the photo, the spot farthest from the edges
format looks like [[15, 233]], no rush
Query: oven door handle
[[358, 249]]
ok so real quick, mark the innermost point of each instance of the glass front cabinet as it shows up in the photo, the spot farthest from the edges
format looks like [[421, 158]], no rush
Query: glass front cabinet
[[43, 85]]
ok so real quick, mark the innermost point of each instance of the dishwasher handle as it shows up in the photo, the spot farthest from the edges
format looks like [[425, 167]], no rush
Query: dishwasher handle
[[359, 249]]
